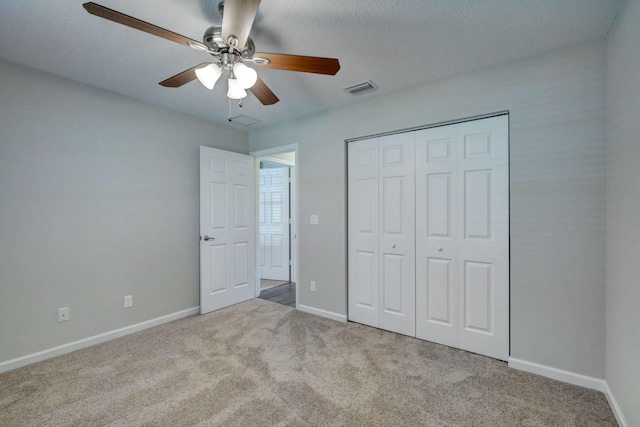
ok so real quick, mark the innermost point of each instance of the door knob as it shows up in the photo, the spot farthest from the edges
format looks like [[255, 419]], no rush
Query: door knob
[[393, 245], [439, 248], [207, 238]]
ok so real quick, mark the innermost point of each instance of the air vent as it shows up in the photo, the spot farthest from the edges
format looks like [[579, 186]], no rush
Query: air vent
[[244, 120], [361, 88]]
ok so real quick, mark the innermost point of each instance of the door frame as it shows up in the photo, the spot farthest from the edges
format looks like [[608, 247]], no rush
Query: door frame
[[293, 236]]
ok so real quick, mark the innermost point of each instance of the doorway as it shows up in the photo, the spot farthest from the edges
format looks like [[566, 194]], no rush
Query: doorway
[[276, 207]]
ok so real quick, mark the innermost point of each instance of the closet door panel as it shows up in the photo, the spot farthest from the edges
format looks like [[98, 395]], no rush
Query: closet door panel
[[483, 268], [363, 232], [397, 235], [439, 304], [436, 165], [478, 295]]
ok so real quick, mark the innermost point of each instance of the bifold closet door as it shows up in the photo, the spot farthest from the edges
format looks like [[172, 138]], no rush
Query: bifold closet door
[[483, 226], [462, 246], [397, 233], [437, 235], [364, 235], [381, 223]]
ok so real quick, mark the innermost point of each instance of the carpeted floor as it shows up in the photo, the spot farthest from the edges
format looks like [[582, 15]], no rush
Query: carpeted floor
[[261, 364]]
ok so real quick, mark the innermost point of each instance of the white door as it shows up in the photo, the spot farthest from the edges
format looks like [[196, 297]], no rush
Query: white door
[[227, 254], [462, 275], [437, 235], [381, 233], [397, 233], [274, 223], [483, 228], [364, 234]]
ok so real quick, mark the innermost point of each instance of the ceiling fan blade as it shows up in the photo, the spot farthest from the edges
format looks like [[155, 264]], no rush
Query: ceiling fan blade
[[129, 21], [306, 64], [263, 93], [237, 19], [184, 77]]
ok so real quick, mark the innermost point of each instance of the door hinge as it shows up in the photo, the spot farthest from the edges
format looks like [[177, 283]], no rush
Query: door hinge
[[289, 220], [289, 262]]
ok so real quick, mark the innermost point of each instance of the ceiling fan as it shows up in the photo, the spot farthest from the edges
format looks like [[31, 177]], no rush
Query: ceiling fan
[[231, 47]]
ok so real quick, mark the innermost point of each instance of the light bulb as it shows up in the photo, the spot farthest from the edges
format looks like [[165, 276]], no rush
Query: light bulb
[[235, 90], [246, 76], [209, 75]]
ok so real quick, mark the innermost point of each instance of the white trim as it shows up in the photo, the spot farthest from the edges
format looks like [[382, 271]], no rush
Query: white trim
[[322, 313], [278, 161], [572, 378], [96, 339], [617, 411], [274, 150], [293, 199], [558, 374]]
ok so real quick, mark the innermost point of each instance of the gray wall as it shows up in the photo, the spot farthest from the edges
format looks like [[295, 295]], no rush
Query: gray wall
[[98, 199], [557, 136], [623, 213]]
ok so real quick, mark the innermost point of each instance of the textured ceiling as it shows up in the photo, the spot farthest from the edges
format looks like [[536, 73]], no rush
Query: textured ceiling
[[396, 43]]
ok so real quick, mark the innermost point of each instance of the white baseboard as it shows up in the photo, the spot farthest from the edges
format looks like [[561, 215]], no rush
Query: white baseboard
[[558, 374], [617, 411], [322, 313], [96, 339], [572, 378]]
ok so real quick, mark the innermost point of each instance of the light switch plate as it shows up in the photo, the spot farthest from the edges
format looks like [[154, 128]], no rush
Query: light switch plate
[[314, 219]]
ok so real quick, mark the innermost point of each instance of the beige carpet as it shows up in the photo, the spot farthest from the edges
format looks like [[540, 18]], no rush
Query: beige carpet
[[262, 364]]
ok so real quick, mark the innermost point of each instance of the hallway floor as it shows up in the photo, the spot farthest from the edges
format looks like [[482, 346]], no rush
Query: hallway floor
[[283, 294]]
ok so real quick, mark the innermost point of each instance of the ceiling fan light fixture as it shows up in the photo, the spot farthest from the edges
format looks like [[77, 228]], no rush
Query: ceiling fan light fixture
[[209, 75], [235, 90], [246, 76]]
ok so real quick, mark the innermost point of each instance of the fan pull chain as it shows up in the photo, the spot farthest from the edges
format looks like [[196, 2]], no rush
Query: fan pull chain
[[240, 104]]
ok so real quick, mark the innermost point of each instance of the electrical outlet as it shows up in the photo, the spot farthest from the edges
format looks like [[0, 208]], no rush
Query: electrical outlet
[[63, 314], [314, 219], [313, 286], [128, 301]]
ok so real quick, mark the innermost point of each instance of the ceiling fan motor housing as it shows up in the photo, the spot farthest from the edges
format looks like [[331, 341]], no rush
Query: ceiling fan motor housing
[[213, 39]]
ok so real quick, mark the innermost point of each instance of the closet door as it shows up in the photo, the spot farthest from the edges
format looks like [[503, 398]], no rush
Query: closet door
[[447, 187], [437, 235], [363, 232], [462, 248], [483, 227], [397, 233]]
